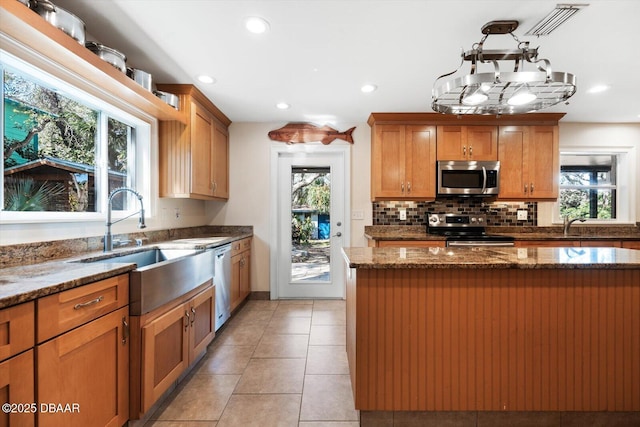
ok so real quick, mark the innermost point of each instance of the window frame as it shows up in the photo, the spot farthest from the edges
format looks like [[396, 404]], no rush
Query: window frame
[[626, 187], [140, 156]]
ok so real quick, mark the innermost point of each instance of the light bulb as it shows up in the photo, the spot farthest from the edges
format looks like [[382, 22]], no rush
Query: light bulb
[[522, 96], [475, 96]]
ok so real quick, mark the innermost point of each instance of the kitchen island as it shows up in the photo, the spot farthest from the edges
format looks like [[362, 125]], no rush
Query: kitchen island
[[494, 329]]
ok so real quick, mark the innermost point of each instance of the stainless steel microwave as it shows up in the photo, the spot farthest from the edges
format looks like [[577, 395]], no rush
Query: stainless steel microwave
[[468, 178]]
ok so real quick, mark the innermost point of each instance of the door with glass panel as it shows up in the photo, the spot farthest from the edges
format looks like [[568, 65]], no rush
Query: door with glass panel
[[311, 225]]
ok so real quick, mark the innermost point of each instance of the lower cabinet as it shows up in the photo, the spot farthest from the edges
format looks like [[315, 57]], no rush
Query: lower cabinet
[[631, 244], [83, 375], [166, 342], [17, 387], [240, 271]]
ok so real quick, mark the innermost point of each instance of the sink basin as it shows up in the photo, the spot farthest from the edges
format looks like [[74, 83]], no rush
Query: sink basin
[[163, 275], [148, 257]]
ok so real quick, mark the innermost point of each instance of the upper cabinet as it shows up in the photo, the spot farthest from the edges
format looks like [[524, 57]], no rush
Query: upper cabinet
[[194, 158], [529, 162], [405, 147], [403, 159], [467, 143]]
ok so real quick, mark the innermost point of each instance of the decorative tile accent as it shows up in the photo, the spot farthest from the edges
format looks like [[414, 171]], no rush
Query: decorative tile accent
[[499, 214]]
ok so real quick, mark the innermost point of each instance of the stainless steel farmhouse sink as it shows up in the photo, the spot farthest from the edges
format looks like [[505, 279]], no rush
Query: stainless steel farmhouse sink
[[162, 275]]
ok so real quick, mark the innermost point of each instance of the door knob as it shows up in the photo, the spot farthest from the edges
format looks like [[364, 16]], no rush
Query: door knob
[[338, 234]]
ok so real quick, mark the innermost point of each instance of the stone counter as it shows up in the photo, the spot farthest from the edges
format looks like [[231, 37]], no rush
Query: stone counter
[[28, 282], [492, 258]]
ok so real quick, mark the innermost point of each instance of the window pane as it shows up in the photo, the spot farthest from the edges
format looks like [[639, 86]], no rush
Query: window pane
[[49, 149], [120, 160]]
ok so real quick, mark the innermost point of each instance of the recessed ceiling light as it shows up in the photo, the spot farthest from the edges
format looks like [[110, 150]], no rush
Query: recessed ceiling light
[[256, 25], [598, 89], [282, 106], [206, 79], [368, 88]]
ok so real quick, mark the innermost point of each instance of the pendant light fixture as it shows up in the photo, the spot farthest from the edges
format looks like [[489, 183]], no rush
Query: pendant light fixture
[[499, 92]]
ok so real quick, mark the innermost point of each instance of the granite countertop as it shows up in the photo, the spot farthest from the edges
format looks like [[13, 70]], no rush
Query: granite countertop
[[409, 233], [485, 257], [25, 283]]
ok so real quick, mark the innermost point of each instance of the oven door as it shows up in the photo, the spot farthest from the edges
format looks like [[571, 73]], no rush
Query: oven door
[[468, 178]]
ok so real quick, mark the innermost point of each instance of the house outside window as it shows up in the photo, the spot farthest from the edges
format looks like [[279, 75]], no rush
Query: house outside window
[[64, 151]]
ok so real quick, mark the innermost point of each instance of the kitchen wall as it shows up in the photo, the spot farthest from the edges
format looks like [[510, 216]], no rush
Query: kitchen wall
[[249, 180]]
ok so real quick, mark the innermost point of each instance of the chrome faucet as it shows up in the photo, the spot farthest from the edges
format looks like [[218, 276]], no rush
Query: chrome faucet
[[108, 241], [568, 222]]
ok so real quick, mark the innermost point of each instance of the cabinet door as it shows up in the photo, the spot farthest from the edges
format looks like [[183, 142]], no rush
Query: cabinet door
[[511, 152], [201, 150], [543, 162], [17, 330], [17, 386], [165, 353], [220, 162], [388, 162], [420, 176], [245, 274], [451, 143], [482, 142], [202, 322], [236, 274], [87, 366]]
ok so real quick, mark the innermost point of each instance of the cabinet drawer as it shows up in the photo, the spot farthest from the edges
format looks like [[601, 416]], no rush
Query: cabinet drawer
[[17, 329], [66, 310], [240, 246]]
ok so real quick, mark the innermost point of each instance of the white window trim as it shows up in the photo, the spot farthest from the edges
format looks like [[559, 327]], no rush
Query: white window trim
[[626, 183], [142, 157]]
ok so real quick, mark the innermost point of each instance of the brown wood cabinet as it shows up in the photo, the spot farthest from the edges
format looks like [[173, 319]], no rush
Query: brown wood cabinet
[[631, 244], [17, 338], [82, 356], [467, 143], [529, 162], [166, 341], [240, 271], [403, 162], [546, 243], [194, 158]]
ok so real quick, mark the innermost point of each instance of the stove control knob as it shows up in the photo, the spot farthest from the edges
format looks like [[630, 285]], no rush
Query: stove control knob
[[480, 219], [473, 219], [433, 219]]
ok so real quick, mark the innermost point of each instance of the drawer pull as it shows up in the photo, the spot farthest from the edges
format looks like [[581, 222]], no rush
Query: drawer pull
[[88, 303], [193, 316]]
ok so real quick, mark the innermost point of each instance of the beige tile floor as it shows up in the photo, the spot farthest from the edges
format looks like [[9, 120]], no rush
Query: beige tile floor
[[276, 363]]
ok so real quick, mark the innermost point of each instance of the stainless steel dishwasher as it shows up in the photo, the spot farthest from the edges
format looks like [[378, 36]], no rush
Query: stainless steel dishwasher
[[222, 280]]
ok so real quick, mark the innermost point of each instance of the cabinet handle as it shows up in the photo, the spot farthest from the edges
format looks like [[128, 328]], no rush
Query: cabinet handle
[[525, 189], [470, 151], [88, 303], [531, 187], [409, 187], [402, 187], [125, 330], [186, 318], [464, 150], [215, 186], [193, 317]]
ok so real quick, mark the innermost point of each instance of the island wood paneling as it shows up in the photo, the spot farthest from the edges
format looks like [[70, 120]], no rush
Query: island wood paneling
[[494, 339]]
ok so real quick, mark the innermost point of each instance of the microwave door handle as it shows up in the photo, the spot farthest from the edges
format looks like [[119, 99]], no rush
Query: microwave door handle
[[484, 180]]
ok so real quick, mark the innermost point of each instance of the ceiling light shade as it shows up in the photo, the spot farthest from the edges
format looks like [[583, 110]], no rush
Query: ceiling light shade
[[458, 93], [368, 88], [282, 106], [256, 25], [206, 79], [522, 96]]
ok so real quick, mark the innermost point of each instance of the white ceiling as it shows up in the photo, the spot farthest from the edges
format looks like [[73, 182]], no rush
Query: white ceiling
[[318, 53]]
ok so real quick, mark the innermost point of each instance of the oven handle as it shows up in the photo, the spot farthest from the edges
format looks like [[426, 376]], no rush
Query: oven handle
[[484, 182], [480, 243]]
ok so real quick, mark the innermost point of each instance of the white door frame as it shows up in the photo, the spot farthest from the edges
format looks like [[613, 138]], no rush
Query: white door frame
[[343, 151]]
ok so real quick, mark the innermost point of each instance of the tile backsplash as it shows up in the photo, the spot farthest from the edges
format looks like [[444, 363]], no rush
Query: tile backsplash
[[497, 213]]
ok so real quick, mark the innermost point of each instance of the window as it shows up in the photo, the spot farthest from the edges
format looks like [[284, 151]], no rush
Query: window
[[588, 186], [598, 184], [64, 150]]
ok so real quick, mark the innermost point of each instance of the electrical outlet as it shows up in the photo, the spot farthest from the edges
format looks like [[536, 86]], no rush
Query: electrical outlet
[[403, 214], [522, 215], [177, 211]]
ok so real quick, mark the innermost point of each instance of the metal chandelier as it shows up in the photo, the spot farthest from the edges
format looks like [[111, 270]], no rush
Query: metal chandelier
[[502, 92]]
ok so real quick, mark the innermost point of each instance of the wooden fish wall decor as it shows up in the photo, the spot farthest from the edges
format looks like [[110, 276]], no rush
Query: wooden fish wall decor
[[307, 132]]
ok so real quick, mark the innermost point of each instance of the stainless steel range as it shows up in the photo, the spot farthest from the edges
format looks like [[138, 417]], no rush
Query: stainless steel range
[[465, 230]]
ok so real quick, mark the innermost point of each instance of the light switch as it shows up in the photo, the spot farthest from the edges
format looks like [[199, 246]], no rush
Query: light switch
[[403, 214], [357, 214], [522, 215]]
